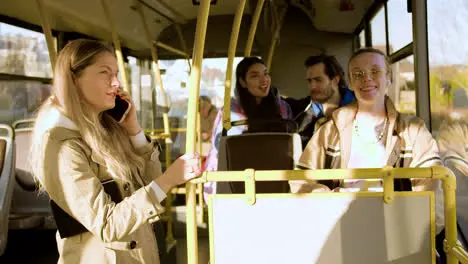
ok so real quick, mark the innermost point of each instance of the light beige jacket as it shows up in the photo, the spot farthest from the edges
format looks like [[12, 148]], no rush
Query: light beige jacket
[[453, 144], [72, 176], [408, 145]]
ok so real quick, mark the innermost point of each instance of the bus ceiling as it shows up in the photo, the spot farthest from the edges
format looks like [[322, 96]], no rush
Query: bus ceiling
[[87, 17]]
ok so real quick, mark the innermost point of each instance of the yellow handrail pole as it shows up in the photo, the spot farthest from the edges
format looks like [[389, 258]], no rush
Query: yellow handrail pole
[[168, 202], [118, 48], [253, 28], [155, 66], [183, 44], [449, 185], [199, 150], [274, 15], [230, 62], [275, 38], [156, 73], [170, 240], [167, 140], [192, 109], [48, 33], [171, 49]]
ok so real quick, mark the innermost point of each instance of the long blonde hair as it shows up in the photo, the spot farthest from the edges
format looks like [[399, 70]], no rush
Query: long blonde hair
[[101, 132]]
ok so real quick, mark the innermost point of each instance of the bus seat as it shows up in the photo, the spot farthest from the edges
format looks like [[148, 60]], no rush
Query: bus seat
[[7, 182], [29, 208], [23, 173], [23, 123], [259, 151]]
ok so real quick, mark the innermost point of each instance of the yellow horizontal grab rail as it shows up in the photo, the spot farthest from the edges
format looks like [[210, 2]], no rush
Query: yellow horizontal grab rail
[[160, 136], [459, 253], [436, 172], [453, 249], [158, 130], [171, 49]]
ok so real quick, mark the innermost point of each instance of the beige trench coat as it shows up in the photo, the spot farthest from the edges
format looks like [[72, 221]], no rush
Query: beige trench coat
[[118, 233]]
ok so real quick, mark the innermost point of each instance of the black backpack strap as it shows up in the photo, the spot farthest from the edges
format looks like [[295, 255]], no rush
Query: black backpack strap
[[69, 226]]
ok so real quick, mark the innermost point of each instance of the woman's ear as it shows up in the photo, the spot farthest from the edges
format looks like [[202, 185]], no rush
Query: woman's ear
[[74, 79], [242, 83], [336, 80]]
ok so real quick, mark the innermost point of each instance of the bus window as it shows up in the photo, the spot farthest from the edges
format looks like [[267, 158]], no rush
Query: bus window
[[448, 60], [378, 31], [20, 99], [362, 39], [175, 75], [23, 52], [145, 95], [400, 31], [134, 80], [403, 91], [176, 79]]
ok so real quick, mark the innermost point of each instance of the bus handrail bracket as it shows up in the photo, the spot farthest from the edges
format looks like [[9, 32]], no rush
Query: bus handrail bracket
[[250, 186], [388, 184]]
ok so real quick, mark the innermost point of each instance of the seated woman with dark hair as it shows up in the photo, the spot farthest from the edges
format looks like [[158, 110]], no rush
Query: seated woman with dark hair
[[255, 101]]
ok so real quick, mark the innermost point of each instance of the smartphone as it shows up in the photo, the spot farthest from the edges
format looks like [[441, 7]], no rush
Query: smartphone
[[121, 109]]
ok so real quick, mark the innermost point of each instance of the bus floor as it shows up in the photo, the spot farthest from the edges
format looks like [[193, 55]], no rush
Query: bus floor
[[181, 237]]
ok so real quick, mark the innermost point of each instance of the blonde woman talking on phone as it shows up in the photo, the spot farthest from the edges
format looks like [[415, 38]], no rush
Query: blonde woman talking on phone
[[102, 175]]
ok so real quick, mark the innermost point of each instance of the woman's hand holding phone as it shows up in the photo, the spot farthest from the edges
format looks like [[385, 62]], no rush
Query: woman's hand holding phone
[[130, 122]]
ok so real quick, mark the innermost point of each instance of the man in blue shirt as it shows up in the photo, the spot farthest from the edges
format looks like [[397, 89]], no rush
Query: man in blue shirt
[[328, 91]]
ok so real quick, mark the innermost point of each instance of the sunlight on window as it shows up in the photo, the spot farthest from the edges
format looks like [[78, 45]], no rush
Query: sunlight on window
[[20, 99], [176, 82], [402, 91], [362, 39], [448, 60], [400, 31], [23, 52], [378, 31]]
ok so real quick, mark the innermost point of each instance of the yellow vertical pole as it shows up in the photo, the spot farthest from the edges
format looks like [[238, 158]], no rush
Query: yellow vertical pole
[[157, 77], [170, 241], [200, 185], [167, 132], [230, 62], [192, 110], [183, 44], [253, 28], [451, 236], [48, 33], [118, 48], [275, 38]]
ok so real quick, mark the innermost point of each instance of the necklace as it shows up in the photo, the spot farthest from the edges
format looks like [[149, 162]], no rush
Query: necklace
[[356, 129]]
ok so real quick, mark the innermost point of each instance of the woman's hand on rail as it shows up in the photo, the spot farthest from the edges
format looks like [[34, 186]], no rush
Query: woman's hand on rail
[[320, 188], [183, 169], [130, 122]]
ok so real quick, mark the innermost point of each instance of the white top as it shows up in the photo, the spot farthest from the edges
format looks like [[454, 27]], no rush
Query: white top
[[366, 152]]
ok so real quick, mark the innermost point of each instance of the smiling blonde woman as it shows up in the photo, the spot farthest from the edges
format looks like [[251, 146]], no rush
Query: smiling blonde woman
[[371, 133]]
